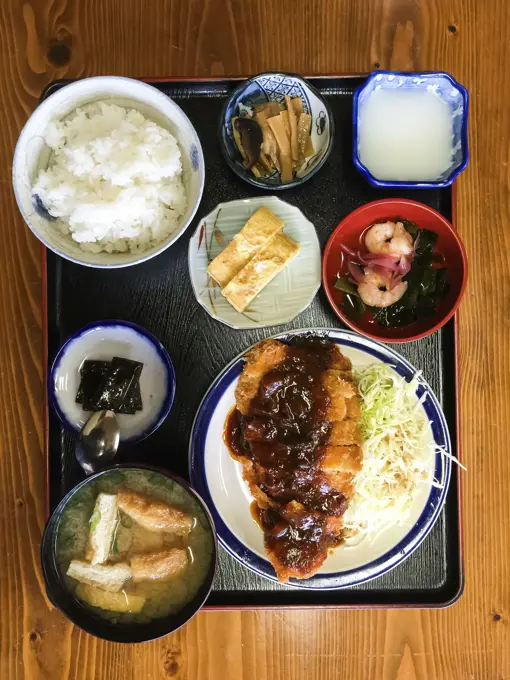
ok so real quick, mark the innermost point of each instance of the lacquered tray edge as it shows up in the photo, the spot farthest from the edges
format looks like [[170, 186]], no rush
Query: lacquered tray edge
[[44, 314]]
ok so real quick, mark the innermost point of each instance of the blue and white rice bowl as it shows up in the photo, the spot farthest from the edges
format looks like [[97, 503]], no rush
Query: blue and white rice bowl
[[219, 479], [104, 340], [273, 87], [32, 155]]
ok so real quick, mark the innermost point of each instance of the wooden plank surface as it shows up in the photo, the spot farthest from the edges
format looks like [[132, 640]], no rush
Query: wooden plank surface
[[42, 40]]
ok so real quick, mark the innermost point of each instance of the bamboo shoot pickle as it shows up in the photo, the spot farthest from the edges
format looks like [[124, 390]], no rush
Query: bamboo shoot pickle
[[274, 137]]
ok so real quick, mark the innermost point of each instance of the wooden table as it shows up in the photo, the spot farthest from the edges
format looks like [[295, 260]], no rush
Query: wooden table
[[43, 40]]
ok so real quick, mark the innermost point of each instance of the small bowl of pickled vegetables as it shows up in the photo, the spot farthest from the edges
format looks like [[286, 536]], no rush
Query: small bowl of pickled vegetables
[[394, 270], [276, 130]]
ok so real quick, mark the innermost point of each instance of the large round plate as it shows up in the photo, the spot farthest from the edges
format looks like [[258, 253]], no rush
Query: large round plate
[[287, 295], [218, 478]]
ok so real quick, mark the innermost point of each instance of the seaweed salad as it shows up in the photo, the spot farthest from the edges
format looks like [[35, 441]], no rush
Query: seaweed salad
[[399, 279]]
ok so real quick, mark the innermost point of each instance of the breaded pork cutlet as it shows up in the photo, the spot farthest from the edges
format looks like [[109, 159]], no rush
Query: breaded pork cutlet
[[299, 428], [260, 360], [284, 540]]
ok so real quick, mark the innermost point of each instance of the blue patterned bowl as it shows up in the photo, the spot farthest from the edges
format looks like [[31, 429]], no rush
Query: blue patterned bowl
[[273, 87], [449, 91], [32, 154]]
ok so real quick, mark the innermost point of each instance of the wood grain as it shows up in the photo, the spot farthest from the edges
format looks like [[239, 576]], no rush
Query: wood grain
[[45, 39]]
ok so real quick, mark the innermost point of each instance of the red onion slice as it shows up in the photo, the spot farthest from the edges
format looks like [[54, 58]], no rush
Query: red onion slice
[[379, 270], [348, 250], [380, 256], [355, 272], [404, 266], [386, 261]]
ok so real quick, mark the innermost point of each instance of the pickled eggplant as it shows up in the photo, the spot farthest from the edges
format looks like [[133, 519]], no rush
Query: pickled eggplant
[[274, 137]]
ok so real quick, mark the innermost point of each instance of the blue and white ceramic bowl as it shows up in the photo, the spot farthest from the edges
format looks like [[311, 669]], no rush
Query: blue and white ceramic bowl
[[32, 155], [219, 479], [104, 340], [273, 87], [448, 89]]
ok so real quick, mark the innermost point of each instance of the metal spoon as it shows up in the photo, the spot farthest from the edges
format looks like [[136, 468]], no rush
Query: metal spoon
[[98, 442]]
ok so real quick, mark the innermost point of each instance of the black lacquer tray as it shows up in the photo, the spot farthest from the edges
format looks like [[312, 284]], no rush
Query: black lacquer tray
[[157, 295]]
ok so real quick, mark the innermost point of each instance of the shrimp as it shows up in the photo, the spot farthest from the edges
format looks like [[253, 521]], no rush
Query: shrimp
[[377, 289], [389, 238]]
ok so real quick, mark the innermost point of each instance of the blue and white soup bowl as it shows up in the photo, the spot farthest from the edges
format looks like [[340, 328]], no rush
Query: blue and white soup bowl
[[274, 87]]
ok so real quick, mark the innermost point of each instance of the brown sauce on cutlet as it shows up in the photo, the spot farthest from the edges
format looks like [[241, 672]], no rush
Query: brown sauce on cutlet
[[284, 435]]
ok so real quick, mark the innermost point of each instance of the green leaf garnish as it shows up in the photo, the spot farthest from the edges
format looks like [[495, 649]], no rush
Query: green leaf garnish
[[94, 520], [126, 521], [354, 307], [342, 283]]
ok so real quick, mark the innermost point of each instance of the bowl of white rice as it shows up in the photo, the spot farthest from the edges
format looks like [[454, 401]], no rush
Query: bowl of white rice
[[108, 172]]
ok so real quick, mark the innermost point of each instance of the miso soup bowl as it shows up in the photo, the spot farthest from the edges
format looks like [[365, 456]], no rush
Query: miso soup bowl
[[85, 618]]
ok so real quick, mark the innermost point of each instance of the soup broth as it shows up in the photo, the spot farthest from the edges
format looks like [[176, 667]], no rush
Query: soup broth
[[145, 599]]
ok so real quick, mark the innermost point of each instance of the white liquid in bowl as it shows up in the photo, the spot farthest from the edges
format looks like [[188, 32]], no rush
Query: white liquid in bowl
[[405, 135]]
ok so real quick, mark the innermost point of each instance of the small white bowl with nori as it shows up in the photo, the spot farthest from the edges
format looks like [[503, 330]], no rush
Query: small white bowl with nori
[[102, 341]]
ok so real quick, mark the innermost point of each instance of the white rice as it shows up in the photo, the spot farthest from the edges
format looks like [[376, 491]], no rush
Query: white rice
[[114, 179]]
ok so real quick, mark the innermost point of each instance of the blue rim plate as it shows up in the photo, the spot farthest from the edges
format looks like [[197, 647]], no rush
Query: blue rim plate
[[170, 382], [221, 392]]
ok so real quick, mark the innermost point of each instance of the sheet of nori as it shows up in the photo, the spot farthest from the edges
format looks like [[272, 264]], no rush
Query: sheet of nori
[[116, 384], [133, 401], [92, 373]]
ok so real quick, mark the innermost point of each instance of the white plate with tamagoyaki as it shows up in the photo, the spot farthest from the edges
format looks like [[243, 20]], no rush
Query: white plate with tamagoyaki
[[287, 295]]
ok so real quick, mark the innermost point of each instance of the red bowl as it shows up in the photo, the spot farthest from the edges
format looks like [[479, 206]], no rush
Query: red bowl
[[448, 244]]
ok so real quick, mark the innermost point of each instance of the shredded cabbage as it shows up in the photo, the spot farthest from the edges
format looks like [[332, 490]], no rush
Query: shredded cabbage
[[396, 456]]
